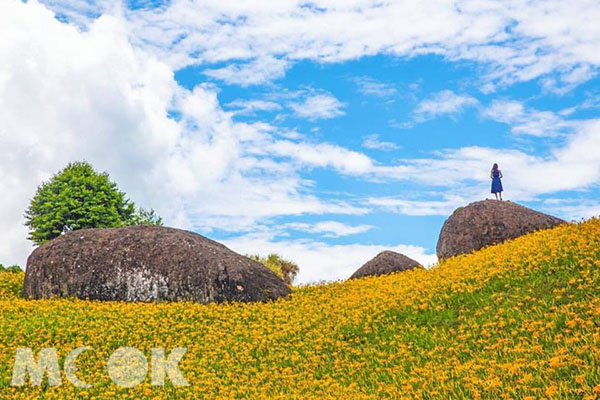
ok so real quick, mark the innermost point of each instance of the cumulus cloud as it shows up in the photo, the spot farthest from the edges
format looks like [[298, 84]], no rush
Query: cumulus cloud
[[67, 94]]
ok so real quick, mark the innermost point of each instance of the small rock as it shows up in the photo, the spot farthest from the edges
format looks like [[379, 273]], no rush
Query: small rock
[[386, 262]]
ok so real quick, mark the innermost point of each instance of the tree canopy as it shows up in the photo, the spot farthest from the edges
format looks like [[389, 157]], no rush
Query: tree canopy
[[78, 197]]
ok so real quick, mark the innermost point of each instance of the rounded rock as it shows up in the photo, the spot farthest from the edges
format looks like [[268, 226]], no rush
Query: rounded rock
[[384, 263], [488, 222], [146, 263]]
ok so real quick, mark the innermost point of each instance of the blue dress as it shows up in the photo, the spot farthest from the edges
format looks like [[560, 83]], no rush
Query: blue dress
[[496, 182]]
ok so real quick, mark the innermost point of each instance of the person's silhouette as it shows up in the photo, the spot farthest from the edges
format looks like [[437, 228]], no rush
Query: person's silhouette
[[496, 176]]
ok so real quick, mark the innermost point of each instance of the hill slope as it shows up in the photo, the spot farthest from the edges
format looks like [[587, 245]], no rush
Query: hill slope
[[517, 320]]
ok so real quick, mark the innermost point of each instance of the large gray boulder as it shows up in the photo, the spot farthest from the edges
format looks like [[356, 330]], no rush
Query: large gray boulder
[[386, 262], [488, 222], [146, 263]]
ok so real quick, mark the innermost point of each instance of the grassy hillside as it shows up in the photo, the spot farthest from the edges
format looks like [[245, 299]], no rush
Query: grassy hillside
[[519, 320]]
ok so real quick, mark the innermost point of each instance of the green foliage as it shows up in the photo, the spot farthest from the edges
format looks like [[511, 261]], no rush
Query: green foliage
[[13, 268], [285, 269], [80, 198], [145, 217]]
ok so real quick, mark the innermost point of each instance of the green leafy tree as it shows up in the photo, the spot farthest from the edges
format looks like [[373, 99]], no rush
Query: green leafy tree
[[13, 268], [145, 217], [79, 198], [285, 269]]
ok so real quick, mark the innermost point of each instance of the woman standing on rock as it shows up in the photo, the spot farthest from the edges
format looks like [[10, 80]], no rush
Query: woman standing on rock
[[496, 176]]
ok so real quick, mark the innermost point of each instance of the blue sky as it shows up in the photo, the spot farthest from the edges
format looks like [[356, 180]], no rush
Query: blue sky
[[324, 133], [379, 97]]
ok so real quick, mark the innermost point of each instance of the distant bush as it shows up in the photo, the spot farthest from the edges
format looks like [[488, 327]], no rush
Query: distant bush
[[285, 269], [13, 268]]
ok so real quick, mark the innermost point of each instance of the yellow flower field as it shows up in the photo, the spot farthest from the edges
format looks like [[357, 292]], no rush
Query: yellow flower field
[[517, 321]]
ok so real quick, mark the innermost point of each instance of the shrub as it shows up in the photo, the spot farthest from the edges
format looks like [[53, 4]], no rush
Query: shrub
[[285, 269], [13, 268]]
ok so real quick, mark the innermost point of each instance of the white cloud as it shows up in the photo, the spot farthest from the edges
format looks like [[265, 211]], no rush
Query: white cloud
[[422, 207], [67, 95], [319, 261], [528, 122], [251, 106], [571, 166], [515, 41], [445, 102], [330, 228], [259, 71], [373, 142], [572, 209], [321, 155], [568, 80], [318, 106], [104, 94], [71, 95], [371, 87], [592, 101]]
